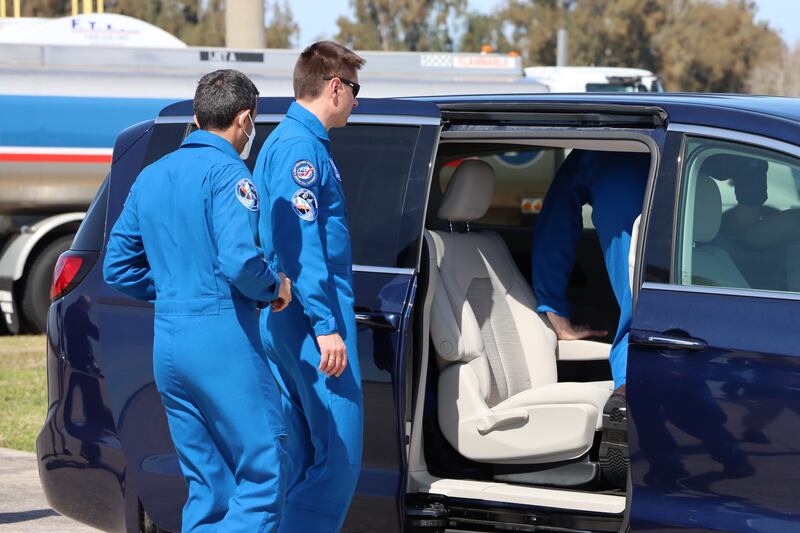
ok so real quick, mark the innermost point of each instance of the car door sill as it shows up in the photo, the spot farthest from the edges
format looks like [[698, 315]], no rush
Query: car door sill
[[563, 500]]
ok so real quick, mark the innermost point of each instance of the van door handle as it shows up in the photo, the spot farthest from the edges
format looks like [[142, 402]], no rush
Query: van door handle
[[649, 339], [378, 320]]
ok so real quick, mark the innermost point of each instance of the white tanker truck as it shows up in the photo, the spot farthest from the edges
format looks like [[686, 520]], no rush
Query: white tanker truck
[[63, 103]]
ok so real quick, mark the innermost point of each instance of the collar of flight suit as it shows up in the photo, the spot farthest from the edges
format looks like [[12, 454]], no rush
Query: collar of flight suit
[[206, 138], [309, 121]]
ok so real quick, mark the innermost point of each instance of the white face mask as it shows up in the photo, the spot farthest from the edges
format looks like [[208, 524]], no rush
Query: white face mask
[[245, 153]]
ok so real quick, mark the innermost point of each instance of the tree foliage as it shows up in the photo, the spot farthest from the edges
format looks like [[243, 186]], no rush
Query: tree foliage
[[780, 75], [400, 24], [696, 45], [282, 30]]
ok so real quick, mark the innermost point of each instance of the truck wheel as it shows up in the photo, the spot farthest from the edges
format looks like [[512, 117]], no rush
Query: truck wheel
[[36, 292]]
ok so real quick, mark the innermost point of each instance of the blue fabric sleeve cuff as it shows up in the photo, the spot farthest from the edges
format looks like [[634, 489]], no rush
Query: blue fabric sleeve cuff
[[326, 326], [544, 308]]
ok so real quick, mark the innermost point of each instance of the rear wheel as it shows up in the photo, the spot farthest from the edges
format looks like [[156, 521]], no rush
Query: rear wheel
[[36, 291]]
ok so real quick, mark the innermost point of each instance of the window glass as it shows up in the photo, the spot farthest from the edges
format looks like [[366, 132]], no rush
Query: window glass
[[740, 218], [374, 162], [523, 176], [90, 233]]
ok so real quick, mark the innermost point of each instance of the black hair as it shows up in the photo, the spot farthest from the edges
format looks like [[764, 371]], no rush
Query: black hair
[[220, 96]]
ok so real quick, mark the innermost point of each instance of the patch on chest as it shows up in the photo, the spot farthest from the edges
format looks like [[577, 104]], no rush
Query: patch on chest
[[304, 173], [305, 205], [335, 170], [246, 194]]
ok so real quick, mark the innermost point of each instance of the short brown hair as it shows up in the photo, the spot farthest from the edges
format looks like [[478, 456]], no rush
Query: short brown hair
[[320, 60]]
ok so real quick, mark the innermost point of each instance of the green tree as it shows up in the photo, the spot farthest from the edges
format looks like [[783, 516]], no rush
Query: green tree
[[43, 8], [400, 24], [481, 30], [696, 45], [534, 25], [710, 46], [779, 76], [615, 34], [282, 30]]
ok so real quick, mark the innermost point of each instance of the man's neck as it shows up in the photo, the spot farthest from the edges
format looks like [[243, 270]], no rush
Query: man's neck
[[228, 135], [316, 108]]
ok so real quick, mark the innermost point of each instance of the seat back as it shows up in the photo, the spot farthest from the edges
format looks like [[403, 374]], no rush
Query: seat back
[[483, 313], [711, 264]]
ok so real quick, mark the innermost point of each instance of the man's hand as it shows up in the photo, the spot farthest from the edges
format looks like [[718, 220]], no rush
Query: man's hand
[[567, 331], [333, 354], [284, 295]]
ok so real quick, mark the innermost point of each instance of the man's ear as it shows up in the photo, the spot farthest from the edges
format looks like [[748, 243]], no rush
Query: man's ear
[[241, 118], [197, 123], [333, 86]]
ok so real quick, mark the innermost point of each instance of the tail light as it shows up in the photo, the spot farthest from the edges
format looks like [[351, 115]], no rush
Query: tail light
[[70, 269]]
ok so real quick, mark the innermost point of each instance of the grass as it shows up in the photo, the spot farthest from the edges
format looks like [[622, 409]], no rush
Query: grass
[[23, 390]]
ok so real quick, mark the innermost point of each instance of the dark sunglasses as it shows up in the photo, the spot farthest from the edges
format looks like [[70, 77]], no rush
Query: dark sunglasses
[[353, 85]]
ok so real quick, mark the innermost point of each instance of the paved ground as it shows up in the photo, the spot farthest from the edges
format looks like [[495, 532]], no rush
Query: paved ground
[[23, 507]]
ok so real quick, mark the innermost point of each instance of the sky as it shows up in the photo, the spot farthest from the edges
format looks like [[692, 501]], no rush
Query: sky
[[782, 15]]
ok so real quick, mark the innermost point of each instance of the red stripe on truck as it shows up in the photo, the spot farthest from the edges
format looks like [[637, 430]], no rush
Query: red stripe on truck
[[56, 158]]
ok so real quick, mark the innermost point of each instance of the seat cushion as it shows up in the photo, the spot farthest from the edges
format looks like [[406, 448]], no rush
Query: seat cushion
[[595, 393]]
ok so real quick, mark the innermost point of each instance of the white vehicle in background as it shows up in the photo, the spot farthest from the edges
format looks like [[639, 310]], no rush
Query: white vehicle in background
[[596, 79]]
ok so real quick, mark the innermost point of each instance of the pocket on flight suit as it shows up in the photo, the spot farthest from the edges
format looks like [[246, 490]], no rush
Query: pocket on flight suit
[[345, 426]]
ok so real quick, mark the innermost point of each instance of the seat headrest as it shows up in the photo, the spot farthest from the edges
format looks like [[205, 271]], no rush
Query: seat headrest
[[748, 174], [469, 193], [707, 209]]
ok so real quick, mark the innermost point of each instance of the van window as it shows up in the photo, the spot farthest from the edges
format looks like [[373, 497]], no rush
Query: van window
[[374, 162], [740, 218], [89, 237], [523, 176]]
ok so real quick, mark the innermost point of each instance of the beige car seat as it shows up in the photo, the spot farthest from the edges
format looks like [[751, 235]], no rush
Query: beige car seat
[[499, 396]]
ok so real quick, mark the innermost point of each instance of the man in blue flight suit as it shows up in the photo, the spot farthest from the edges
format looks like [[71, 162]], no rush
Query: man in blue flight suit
[[186, 239], [613, 183], [304, 231]]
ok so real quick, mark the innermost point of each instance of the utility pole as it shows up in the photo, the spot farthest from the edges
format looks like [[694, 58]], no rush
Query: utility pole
[[562, 37], [244, 24]]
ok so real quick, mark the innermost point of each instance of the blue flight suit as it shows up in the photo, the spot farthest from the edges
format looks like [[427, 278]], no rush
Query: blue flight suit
[[304, 232], [186, 239], [613, 183]]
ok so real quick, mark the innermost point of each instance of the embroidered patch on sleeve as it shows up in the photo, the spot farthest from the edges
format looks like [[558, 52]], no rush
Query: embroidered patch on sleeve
[[246, 194], [305, 205], [304, 173]]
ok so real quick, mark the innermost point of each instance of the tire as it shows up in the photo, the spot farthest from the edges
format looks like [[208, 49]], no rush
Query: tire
[[36, 290]]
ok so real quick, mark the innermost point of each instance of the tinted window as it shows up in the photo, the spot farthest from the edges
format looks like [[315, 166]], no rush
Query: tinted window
[[374, 162], [90, 234], [740, 218], [165, 139]]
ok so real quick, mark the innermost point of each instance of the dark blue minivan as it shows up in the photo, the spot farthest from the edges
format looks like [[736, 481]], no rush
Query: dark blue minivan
[[476, 417]]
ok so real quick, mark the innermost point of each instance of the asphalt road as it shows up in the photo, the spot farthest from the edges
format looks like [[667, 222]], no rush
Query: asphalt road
[[23, 507]]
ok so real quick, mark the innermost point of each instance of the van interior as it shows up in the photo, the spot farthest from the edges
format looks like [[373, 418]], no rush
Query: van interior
[[499, 410]]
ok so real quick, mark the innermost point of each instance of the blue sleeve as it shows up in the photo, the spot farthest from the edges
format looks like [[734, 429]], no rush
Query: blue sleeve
[[125, 265], [556, 235], [297, 199], [234, 223]]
